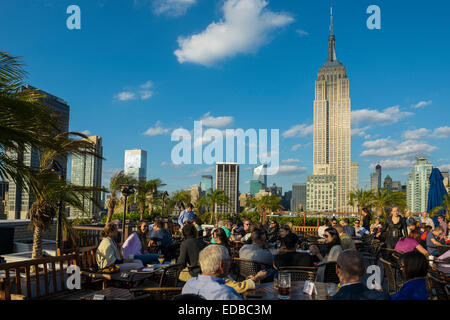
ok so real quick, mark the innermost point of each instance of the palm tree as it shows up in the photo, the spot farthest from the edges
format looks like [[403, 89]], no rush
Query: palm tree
[[212, 199], [49, 189], [147, 192], [24, 120], [361, 198], [266, 203], [182, 197], [383, 199], [445, 206], [118, 179]]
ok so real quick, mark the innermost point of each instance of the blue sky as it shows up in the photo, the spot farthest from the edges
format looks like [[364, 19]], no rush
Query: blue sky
[[156, 65]]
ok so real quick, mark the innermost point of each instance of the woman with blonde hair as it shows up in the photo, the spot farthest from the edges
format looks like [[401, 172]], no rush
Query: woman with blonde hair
[[108, 254]]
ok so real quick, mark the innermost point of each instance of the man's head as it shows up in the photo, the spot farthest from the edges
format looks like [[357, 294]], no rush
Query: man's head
[[438, 231], [424, 214], [284, 231], [247, 224], [334, 222], [407, 213], [228, 224], [189, 231], [157, 225], [259, 238], [342, 223], [215, 260], [290, 241], [349, 267], [356, 223], [441, 219], [190, 207], [412, 226]]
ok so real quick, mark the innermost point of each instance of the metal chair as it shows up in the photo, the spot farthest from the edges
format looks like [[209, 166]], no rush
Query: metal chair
[[300, 273], [390, 275], [247, 268], [442, 250], [330, 275], [438, 289], [170, 276]]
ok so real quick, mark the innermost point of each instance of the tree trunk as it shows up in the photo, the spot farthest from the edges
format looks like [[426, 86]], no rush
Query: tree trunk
[[212, 214], [37, 243], [110, 212]]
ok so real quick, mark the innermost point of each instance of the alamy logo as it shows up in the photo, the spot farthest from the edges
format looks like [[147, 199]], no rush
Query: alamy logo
[[215, 140], [74, 20], [374, 280], [73, 278], [374, 21]]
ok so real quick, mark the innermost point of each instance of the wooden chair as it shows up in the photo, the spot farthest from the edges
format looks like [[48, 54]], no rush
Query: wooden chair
[[247, 268], [438, 289], [330, 275], [390, 275], [166, 293], [300, 273]]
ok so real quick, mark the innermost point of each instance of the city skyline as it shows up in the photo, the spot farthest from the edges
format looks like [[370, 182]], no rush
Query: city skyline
[[399, 95]]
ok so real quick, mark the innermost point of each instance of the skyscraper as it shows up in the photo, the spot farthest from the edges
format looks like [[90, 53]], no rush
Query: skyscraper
[[136, 164], [298, 197], [354, 176], [19, 199], [259, 179], [332, 124], [87, 172], [418, 185], [375, 179], [206, 183], [275, 190], [227, 179], [321, 191]]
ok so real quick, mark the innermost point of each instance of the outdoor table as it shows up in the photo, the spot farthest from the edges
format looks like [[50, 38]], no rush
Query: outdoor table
[[268, 292], [138, 276], [110, 293]]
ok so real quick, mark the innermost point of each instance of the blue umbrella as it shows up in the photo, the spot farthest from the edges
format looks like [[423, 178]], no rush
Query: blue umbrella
[[436, 193]]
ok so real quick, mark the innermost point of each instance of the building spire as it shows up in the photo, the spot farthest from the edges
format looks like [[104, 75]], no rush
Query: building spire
[[331, 39]]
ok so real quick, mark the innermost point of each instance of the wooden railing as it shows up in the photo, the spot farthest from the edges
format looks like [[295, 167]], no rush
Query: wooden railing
[[88, 236], [36, 268], [312, 231]]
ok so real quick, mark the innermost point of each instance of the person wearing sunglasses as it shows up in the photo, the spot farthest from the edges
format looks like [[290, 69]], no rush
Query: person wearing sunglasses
[[244, 232], [332, 251]]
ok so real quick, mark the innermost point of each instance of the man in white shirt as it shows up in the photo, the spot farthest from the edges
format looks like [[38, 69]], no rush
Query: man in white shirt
[[427, 220]]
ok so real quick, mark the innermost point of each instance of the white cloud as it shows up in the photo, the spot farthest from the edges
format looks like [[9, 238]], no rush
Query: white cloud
[[422, 104], [125, 96], [296, 147], [171, 164], [444, 167], [291, 161], [380, 143], [216, 122], [406, 148], [360, 132], [288, 170], [157, 130], [172, 8], [387, 116], [145, 93], [416, 134], [442, 132], [302, 33], [297, 131], [245, 27], [394, 164]]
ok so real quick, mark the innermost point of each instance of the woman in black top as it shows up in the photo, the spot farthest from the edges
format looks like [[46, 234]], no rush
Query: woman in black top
[[396, 227], [367, 216], [273, 230]]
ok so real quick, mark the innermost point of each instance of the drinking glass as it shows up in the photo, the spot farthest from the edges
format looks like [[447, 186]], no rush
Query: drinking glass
[[161, 258], [331, 289], [284, 285]]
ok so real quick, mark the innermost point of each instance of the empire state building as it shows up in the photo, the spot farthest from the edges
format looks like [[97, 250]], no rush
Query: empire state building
[[332, 125]]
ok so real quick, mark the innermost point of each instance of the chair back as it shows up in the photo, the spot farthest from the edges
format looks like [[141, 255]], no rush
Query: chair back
[[167, 293], [389, 273], [300, 273], [442, 250], [170, 276], [438, 289], [330, 275], [247, 268], [188, 297]]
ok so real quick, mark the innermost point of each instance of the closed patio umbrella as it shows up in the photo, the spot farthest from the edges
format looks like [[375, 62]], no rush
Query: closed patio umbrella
[[436, 193]]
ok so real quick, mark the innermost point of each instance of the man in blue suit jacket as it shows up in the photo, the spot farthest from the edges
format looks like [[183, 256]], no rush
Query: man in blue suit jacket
[[350, 269]]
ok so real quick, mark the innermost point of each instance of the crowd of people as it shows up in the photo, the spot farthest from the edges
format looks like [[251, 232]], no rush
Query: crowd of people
[[206, 261]]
